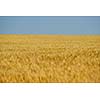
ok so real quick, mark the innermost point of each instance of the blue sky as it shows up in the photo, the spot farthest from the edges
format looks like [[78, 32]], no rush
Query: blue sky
[[50, 24]]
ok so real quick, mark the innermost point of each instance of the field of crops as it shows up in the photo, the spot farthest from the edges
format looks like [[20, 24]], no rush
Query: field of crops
[[49, 58]]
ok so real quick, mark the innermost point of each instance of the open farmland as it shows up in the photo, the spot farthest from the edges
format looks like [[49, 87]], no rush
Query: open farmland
[[49, 58]]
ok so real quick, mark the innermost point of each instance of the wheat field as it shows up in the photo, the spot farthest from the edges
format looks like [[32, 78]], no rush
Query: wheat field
[[49, 58]]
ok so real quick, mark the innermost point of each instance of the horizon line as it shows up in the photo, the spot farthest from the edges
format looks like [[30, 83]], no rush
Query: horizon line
[[52, 33]]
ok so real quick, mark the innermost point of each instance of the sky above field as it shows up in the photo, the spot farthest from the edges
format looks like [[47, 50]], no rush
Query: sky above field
[[49, 24]]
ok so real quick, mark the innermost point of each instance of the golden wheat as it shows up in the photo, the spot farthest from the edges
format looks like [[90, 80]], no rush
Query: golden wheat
[[49, 58]]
